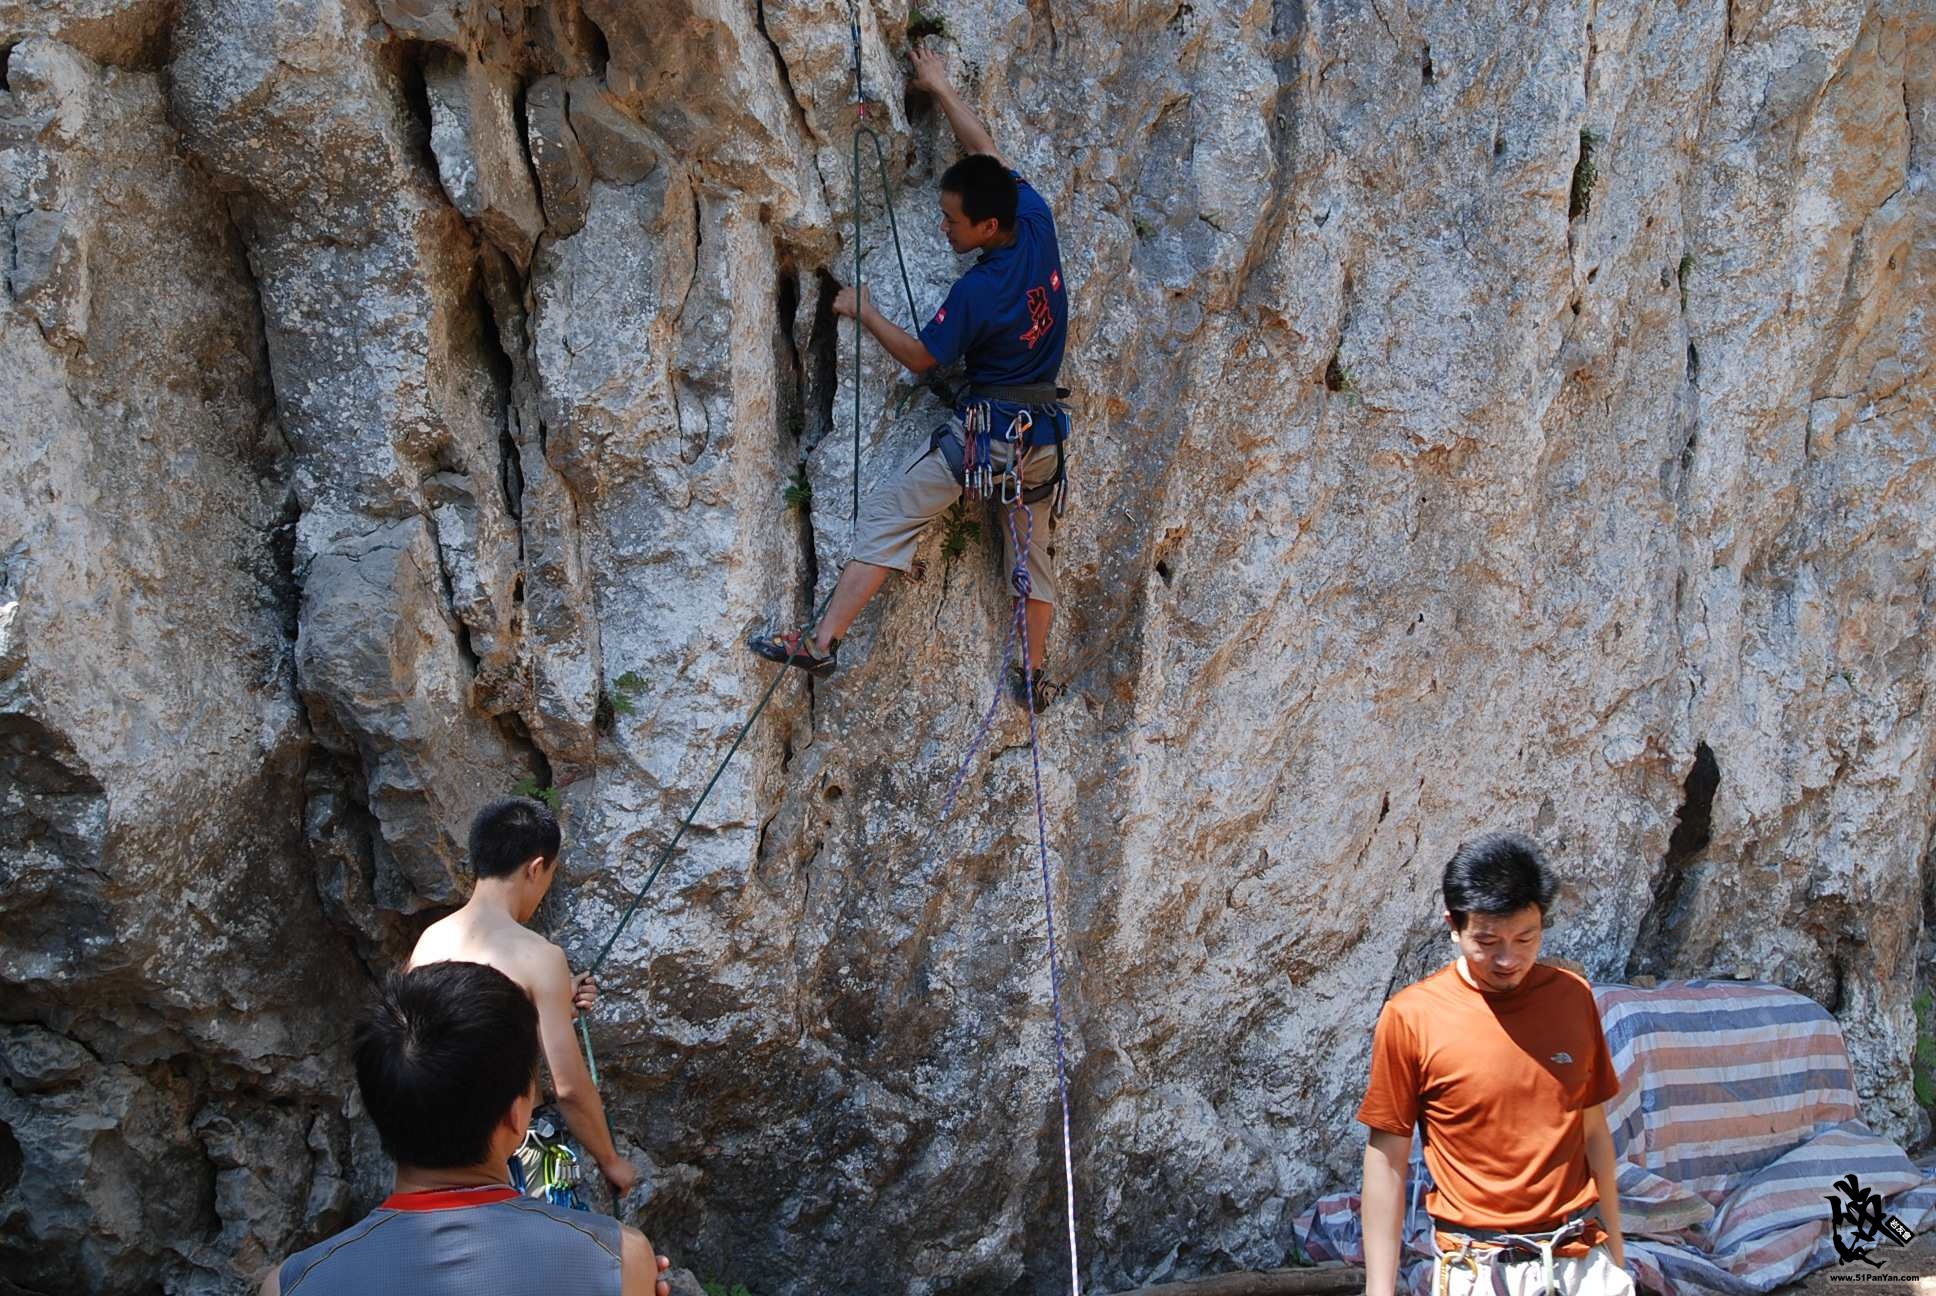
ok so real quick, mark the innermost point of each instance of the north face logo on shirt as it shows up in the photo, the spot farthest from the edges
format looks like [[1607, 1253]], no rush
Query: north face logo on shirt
[[1561, 1056], [941, 315]]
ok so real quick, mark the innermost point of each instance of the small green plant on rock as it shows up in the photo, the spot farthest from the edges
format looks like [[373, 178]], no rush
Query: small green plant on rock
[[625, 689], [799, 492], [716, 1288], [528, 787], [1142, 227], [1686, 269], [923, 23], [1585, 172], [959, 530]]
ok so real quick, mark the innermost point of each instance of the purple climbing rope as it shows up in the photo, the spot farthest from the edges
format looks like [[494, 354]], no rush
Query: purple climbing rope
[[974, 748], [1022, 543], [1018, 634]]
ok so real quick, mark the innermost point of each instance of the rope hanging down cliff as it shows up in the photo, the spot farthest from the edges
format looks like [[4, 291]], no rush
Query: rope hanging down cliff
[[887, 194], [1013, 503]]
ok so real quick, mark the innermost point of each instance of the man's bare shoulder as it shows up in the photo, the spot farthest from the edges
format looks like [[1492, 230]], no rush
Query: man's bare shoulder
[[523, 955]]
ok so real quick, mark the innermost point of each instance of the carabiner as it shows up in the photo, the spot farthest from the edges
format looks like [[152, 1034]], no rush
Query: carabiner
[[1441, 1284]]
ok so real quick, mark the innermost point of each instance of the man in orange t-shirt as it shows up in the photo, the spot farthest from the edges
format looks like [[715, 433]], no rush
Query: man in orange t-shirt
[[1502, 1061]]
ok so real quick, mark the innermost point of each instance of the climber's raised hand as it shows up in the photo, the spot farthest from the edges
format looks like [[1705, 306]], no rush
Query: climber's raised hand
[[930, 69]]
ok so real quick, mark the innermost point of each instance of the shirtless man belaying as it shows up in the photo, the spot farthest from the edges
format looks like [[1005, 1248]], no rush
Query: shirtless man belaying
[[514, 857]]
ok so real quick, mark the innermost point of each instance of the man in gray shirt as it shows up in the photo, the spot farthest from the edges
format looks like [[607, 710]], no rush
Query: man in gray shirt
[[447, 1063]]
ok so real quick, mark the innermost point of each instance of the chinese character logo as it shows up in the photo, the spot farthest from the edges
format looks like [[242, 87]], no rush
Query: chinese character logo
[[1863, 1216], [1041, 318]]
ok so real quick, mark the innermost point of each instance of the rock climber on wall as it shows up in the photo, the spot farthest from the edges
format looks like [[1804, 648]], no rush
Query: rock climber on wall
[[1008, 316]]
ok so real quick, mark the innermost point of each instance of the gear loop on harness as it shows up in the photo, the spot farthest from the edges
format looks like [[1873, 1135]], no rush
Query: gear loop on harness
[[1442, 1274], [1486, 1252], [1018, 429]]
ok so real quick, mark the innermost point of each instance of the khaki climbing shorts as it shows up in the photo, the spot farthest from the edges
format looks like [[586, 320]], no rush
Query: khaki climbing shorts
[[895, 511]]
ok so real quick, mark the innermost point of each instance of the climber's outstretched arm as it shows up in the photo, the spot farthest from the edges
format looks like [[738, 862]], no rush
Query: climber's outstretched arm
[[894, 339], [931, 75], [551, 988]]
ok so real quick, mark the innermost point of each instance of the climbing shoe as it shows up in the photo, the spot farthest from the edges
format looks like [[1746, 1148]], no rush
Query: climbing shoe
[[1018, 691], [790, 649]]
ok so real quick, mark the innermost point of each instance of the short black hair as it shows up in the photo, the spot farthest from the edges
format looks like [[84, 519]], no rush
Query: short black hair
[[507, 833], [986, 188], [441, 1055], [1497, 874]]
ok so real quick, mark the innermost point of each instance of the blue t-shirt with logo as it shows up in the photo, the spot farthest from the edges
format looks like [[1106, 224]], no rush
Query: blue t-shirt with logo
[[1009, 315]]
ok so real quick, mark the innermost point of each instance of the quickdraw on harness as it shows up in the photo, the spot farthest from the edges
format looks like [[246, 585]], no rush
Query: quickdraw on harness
[[1483, 1253], [546, 1166], [976, 469]]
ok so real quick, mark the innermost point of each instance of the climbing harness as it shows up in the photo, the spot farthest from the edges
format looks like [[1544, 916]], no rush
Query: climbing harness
[[546, 1167], [1483, 1252], [972, 457]]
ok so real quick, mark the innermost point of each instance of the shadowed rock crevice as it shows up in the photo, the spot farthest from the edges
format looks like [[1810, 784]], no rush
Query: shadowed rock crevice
[[796, 396], [407, 61], [820, 366], [11, 1161], [598, 47], [1662, 930]]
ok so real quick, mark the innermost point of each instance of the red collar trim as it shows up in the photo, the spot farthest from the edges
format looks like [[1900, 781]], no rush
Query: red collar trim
[[432, 1199]]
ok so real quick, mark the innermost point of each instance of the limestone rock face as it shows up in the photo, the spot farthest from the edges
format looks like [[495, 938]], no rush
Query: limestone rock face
[[172, 1105], [1485, 418]]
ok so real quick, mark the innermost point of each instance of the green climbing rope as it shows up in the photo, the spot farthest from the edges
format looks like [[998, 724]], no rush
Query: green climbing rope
[[665, 855]]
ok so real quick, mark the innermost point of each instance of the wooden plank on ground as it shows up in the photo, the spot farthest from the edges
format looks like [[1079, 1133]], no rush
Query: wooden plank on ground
[[1272, 1282]]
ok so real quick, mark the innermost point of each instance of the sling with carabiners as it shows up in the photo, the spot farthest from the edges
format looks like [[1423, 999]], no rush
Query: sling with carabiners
[[1483, 1251], [976, 469]]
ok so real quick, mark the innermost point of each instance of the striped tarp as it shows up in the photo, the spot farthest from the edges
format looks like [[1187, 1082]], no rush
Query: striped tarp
[[1737, 1116]]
